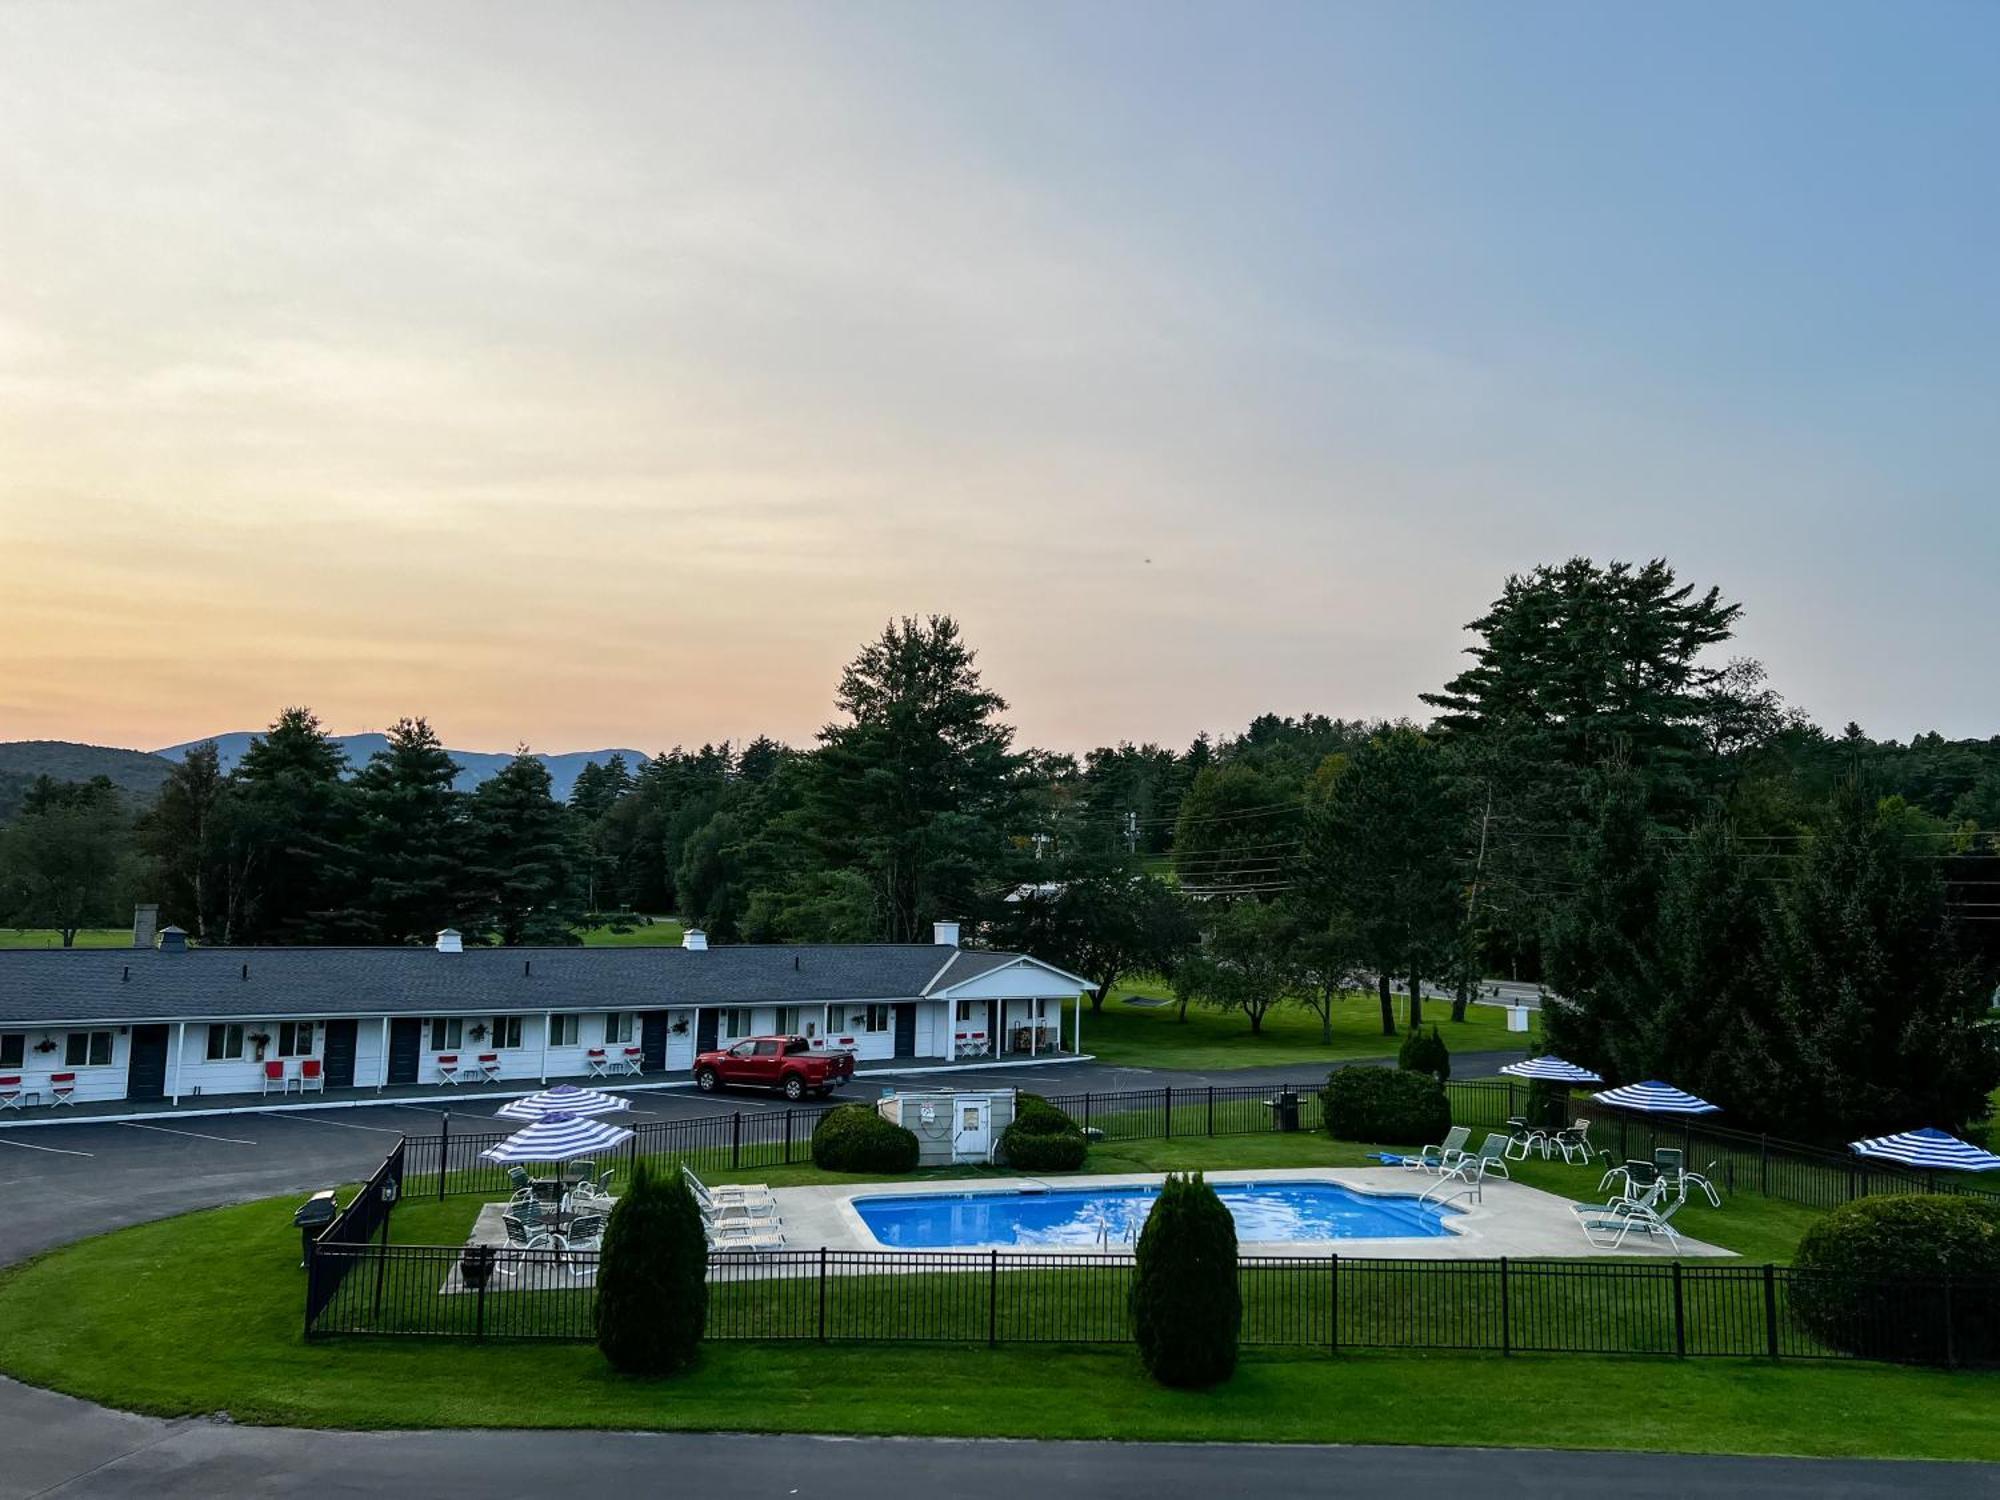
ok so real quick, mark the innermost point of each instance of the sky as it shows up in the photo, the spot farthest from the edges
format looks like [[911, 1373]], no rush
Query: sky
[[597, 374]]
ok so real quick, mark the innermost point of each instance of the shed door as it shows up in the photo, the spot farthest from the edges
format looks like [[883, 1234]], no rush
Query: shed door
[[972, 1128]]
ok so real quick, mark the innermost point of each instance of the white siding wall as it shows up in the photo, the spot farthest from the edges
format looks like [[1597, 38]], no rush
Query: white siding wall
[[104, 1082]]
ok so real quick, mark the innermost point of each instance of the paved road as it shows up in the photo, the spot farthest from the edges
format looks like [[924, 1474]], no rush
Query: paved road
[[83, 1450], [64, 1182]]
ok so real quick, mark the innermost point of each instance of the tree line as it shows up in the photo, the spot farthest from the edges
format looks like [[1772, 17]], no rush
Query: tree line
[[1792, 922]]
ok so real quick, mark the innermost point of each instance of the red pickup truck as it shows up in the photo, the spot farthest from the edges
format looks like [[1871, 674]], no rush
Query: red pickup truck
[[786, 1063]]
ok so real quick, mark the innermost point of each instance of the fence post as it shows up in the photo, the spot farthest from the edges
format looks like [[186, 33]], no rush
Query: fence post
[[788, 1136], [444, 1150], [1333, 1304], [736, 1140], [1771, 1309], [993, 1299], [1506, 1312], [1086, 1109], [1211, 1109], [1169, 1092], [822, 1294], [1680, 1315]]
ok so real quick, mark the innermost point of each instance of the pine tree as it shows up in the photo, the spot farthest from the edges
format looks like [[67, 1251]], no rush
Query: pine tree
[[290, 821], [411, 870], [528, 856]]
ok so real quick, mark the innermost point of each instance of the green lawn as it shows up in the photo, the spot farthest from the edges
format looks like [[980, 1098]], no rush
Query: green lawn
[[201, 1313], [1136, 1036], [647, 932], [48, 937]]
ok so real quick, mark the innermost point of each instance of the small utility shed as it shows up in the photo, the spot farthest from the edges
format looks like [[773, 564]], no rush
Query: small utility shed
[[961, 1126]]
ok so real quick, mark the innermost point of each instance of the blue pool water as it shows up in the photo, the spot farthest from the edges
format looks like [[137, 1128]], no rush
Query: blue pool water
[[1265, 1213]]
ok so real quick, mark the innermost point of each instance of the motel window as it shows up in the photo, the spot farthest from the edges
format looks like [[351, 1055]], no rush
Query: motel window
[[564, 1030], [869, 1018], [13, 1048], [225, 1043], [506, 1031], [799, 1020], [965, 1010], [447, 1034], [736, 1021], [618, 1026], [295, 1039], [87, 1049]]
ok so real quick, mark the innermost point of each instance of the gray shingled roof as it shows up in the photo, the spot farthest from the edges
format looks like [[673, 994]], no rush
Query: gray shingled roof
[[40, 986]]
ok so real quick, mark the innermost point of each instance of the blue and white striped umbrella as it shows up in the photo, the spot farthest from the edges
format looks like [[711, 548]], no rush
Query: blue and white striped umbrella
[[1928, 1148], [564, 1099], [1552, 1070], [559, 1138], [1656, 1098]]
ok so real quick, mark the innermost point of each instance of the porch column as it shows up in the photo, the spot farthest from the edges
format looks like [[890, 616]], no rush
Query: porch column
[[1035, 1027], [1076, 1048], [548, 1019], [382, 1072], [180, 1058]]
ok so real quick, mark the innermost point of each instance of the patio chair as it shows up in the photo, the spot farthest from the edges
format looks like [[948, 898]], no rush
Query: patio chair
[[62, 1090], [744, 1235], [1672, 1164], [1608, 1225], [274, 1077], [1635, 1180], [447, 1066], [525, 1235], [585, 1232], [522, 1184], [489, 1067], [1574, 1143], [716, 1205], [635, 1061], [312, 1075], [1437, 1158], [598, 1061], [1526, 1137], [594, 1192], [12, 1094], [1466, 1175]]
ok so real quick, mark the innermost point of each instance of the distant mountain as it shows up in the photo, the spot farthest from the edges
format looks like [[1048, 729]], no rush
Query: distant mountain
[[475, 766], [133, 771]]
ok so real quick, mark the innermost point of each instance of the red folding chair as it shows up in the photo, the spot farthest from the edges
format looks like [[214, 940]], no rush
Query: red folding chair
[[635, 1060], [62, 1089], [599, 1062], [11, 1093], [489, 1066], [447, 1065]]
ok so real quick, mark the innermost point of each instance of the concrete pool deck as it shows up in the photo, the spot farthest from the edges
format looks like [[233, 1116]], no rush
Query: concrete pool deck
[[1512, 1219]]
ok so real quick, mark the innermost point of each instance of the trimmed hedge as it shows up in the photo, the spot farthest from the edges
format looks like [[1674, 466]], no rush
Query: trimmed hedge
[[1425, 1052], [1042, 1138], [853, 1138], [1385, 1105], [1187, 1307], [1870, 1279]]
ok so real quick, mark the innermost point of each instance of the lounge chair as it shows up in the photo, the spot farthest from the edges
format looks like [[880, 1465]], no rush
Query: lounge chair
[[1437, 1158], [737, 1200], [744, 1234], [1467, 1174], [1608, 1225]]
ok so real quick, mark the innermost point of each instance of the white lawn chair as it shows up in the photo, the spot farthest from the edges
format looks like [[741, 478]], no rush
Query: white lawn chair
[[1466, 1175], [1608, 1225], [1574, 1143], [731, 1199], [1437, 1158], [744, 1234]]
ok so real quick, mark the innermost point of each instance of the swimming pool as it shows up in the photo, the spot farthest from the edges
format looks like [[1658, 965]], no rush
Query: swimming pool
[[1061, 1218]]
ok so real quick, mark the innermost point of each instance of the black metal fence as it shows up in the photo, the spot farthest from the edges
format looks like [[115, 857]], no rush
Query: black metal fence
[[449, 1163], [365, 1216], [1325, 1303]]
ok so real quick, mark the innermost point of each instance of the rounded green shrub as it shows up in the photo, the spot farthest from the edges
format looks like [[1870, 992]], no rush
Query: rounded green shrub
[[1871, 1279], [1385, 1105], [1187, 1309], [652, 1278], [1425, 1052], [1042, 1138], [853, 1138], [1037, 1116]]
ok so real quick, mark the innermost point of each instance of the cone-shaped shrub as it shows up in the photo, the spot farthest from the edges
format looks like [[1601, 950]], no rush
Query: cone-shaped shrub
[[1425, 1052], [1186, 1307], [652, 1278]]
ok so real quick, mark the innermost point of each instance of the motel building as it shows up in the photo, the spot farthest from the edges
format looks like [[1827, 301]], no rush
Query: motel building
[[164, 1024]]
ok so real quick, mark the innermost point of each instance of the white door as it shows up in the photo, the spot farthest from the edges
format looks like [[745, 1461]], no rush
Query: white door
[[680, 1040], [972, 1128]]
